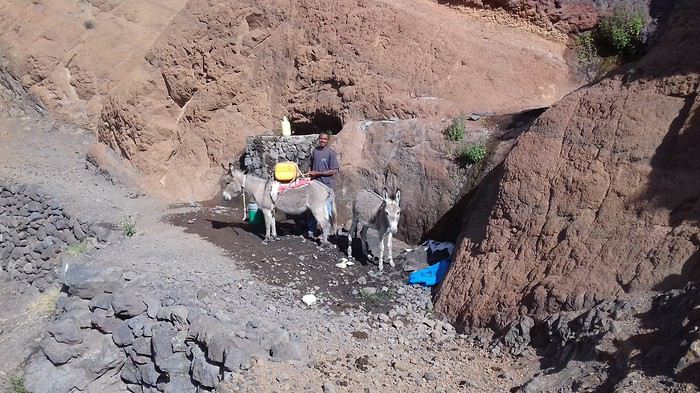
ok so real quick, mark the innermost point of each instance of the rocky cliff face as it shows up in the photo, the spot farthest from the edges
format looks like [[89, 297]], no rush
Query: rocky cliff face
[[598, 198], [566, 16], [175, 87], [411, 155]]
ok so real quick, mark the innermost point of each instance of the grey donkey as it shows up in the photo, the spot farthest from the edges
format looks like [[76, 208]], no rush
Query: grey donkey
[[379, 212], [296, 201]]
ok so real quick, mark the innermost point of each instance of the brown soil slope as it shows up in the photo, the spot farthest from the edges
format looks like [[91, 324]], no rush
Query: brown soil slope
[[599, 197], [176, 86]]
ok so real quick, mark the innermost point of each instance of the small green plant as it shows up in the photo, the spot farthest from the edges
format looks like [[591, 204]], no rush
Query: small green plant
[[621, 33], [455, 132], [17, 384], [77, 249], [471, 155], [89, 24], [587, 49], [128, 226]]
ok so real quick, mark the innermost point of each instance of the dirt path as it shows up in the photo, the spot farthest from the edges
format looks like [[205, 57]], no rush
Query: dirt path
[[388, 341]]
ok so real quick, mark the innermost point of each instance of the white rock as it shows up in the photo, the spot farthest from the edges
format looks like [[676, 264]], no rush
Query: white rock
[[309, 299], [341, 265]]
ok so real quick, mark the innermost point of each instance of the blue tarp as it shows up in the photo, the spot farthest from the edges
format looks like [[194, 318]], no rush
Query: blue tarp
[[431, 275]]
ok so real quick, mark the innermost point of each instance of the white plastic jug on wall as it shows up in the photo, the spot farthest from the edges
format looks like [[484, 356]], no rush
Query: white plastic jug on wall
[[286, 127]]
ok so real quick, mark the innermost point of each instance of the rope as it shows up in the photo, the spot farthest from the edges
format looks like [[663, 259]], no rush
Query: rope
[[245, 207]]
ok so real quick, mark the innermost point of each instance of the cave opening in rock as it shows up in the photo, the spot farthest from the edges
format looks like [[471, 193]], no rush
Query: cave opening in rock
[[316, 122]]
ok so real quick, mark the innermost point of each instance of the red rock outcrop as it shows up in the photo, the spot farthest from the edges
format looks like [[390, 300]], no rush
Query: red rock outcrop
[[175, 86], [599, 197]]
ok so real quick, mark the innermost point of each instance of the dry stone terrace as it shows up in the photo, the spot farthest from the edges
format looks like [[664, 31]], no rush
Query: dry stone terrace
[[106, 327], [34, 230]]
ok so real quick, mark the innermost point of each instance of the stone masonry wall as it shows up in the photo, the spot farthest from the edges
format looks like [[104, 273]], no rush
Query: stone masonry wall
[[263, 152]]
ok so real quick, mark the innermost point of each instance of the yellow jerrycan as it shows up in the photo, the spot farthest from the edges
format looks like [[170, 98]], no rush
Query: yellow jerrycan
[[286, 171]]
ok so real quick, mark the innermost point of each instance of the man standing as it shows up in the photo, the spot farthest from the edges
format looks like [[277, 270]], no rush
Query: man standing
[[324, 166]]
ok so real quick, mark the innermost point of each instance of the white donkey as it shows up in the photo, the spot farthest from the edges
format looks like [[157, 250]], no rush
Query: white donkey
[[297, 201], [380, 213]]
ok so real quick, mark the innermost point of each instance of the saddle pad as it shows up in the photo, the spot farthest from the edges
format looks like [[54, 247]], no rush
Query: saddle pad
[[296, 184], [278, 188]]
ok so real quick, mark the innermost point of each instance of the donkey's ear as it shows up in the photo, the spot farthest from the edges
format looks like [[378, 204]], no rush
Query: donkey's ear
[[398, 196], [231, 168], [386, 195]]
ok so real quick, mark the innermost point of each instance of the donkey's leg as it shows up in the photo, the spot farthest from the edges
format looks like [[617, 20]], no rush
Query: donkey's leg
[[381, 251], [348, 251], [363, 240], [274, 225], [326, 228], [269, 221], [353, 229], [319, 214], [389, 237]]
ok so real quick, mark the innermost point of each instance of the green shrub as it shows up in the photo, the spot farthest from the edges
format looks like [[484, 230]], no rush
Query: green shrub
[[456, 130], [471, 155], [587, 49], [17, 384], [621, 33], [89, 24]]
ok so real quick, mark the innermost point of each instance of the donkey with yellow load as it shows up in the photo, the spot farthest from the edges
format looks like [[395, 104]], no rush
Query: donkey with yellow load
[[294, 198]]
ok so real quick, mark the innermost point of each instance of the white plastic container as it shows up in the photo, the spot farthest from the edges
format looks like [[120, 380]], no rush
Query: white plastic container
[[286, 127]]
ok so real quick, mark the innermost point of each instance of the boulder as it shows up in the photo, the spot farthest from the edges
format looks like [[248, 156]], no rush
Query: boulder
[[149, 374], [58, 353], [86, 281], [142, 346], [180, 383], [161, 343], [203, 372], [122, 335], [66, 331], [101, 357], [127, 305], [102, 301], [175, 314], [41, 376], [174, 364], [101, 320], [239, 352], [81, 316], [131, 374]]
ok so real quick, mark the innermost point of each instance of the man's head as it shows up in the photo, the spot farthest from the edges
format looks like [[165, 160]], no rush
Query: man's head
[[323, 138]]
